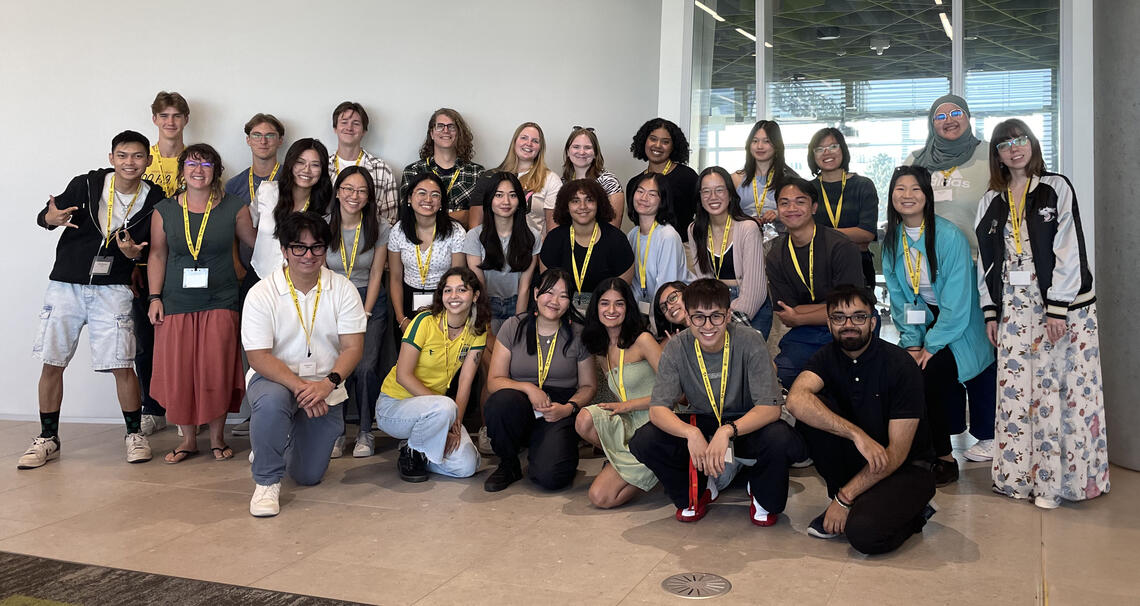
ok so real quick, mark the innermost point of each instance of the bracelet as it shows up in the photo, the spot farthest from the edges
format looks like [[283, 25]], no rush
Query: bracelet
[[735, 432], [154, 297], [575, 405], [840, 501]]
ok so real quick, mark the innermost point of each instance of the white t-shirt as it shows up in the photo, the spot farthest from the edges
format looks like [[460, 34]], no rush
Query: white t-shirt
[[441, 251], [266, 249], [122, 201], [542, 200], [958, 191], [269, 320], [924, 289]]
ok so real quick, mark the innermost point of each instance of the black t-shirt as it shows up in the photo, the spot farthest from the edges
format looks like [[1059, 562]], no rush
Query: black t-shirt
[[882, 384], [612, 255], [681, 183], [837, 261]]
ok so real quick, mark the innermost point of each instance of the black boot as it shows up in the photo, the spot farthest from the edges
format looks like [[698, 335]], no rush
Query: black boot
[[508, 472], [412, 465]]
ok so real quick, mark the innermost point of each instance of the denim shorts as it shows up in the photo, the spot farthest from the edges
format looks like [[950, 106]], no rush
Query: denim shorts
[[106, 310]]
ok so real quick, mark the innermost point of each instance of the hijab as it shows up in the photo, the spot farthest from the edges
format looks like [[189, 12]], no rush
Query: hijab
[[941, 153]]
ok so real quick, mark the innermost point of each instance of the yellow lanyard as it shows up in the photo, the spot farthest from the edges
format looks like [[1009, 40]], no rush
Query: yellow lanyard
[[301, 315], [271, 175], [447, 347], [718, 258], [111, 209], [423, 264], [946, 175], [1015, 215], [351, 262], [717, 407], [579, 277], [544, 366], [620, 372], [643, 257], [915, 270], [161, 171], [336, 162], [834, 216], [664, 171], [758, 197], [809, 282], [195, 247], [454, 175]]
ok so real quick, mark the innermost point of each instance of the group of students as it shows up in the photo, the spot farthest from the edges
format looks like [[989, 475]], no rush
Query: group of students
[[532, 268]]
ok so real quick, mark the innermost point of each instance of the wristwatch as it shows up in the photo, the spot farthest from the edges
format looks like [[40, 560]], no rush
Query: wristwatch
[[335, 379]]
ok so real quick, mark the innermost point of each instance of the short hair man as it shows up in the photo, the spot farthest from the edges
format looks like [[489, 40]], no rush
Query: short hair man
[[106, 219], [859, 405], [723, 369], [303, 330], [447, 151], [350, 123], [803, 266], [264, 134]]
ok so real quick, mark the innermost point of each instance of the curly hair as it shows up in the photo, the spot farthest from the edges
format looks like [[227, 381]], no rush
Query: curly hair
[[593, 190], [680, 154], [464, 140]]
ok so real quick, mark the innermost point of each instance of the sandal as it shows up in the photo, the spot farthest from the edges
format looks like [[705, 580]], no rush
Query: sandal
[[172, 457], [223, 453]]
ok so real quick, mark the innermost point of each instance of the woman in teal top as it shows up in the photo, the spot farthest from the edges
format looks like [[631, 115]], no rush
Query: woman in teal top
[[932, 283], [194, 302], [627, 354]]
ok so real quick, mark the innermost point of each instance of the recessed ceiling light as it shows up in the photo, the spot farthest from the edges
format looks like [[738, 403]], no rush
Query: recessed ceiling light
[[827, 33]]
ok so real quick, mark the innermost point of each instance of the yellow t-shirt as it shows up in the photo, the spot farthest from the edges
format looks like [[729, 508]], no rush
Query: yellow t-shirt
[[440, 358], [163, 172]]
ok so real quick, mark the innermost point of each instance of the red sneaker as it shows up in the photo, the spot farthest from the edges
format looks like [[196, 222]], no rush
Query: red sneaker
[[758, 514], [693, 514]]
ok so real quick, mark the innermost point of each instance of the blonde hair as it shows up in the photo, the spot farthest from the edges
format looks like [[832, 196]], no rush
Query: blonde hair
[[535, 178]]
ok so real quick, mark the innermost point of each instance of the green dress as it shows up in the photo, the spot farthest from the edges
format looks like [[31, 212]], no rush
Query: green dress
[[616, 430]]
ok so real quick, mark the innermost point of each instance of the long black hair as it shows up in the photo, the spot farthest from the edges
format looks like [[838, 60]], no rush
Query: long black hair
[[520, 248], [894, 219], [701, 218], [779, 168], [443, 222], [321, 193], [480, 305], [595, 336], [368, 218], [665, 213], [528, 321]]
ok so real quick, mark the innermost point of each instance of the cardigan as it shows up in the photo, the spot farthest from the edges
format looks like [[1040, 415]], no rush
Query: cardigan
[[748, 259]]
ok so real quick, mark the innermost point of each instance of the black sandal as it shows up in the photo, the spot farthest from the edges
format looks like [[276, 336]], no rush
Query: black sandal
[[220, 453], [186, 454]]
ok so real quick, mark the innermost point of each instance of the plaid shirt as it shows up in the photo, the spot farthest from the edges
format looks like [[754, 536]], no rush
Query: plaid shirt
[[459, 194], [387, 194]]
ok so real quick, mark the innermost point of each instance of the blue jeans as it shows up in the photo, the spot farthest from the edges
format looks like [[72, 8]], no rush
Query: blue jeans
[[424, 421], [284, 438], [501, 309], [364, 384], [762, 319], [796, 348]]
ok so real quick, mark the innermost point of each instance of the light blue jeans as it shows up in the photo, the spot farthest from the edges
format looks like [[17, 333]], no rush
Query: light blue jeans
[[283, 437], [423, 421]]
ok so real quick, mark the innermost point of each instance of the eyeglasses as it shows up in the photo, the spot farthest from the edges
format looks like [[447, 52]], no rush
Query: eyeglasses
[[352, 192], [576, 127], [648, 193], [441, 127], [435, 196], [717, 318], [717, 191], [827, 148], [858, 319], [196, 164], [957, 113], [270, 137], [1018, 141], [671, 299], [299, 250]]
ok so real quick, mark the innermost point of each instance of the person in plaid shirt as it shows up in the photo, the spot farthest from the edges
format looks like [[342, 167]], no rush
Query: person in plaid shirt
[[350, 122], [447, 152]]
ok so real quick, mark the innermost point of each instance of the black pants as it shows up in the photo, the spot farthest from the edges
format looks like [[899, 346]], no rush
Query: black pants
[[144, 348], [774, 446], [889, 512], [553, 447], [868, 262]]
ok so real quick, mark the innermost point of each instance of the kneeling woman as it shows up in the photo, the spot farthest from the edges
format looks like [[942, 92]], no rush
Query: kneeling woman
[[540, 371], [628, 355], [439, 342]]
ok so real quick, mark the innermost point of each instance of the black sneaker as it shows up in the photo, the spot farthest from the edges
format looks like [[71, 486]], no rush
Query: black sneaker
[[945, 472], [924, 516], [412, 465], [816, 530], [503, 476]]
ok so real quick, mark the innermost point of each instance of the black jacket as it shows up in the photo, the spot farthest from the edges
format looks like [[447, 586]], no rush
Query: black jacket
[[79, 245]]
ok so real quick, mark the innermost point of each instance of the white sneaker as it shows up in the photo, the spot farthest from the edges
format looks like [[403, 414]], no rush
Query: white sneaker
[[483, 443], [1046, 502], [151, 424], [264, 503], [364, 445], [982, 451], [337, 449], [41, 451], [138, 448]]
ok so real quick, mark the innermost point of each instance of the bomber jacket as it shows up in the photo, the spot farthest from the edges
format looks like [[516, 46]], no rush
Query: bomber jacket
[[1056, 239], [79, 245]]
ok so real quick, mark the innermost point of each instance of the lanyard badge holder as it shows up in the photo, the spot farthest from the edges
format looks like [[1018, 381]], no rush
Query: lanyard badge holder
[[195, 277]]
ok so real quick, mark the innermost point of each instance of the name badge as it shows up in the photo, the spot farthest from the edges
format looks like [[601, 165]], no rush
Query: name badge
[[1019, 278], [195, 277], [101, 266], [943, 195], [728, 458], [307, 369], [914, 314], [421, 299], [643, 307]]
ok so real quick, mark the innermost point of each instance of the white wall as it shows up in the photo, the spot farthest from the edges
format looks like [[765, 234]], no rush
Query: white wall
[[76, 73]]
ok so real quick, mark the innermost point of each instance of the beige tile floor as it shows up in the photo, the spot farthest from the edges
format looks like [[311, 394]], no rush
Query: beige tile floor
[[365, 535]]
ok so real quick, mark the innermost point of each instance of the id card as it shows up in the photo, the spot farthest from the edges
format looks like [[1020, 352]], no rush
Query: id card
[[914, 314], [728, 458], [943, 195], [101, 265], [307, 369], [421, 299], [643, 307], [1019, 278], [195, 277]]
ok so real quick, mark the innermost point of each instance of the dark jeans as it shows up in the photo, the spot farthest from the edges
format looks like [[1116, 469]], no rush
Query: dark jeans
[[889, 512], [144, 350], [553, 447], [774, 446], [946, 401], [363, 385], [868, 261], [796, 348]]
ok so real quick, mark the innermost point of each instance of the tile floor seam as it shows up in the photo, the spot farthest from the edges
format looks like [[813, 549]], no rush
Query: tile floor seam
[[835, 585], [642, 579], [1043, 587], [440, 586]]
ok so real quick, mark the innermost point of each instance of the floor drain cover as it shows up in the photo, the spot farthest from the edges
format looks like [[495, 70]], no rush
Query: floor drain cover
[[696, 585]]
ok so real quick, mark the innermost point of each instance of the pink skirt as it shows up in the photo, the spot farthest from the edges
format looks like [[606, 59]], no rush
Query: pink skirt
[[197, 372]]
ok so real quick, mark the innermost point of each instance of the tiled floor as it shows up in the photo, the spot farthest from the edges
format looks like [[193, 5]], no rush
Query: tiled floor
[[365, 535]]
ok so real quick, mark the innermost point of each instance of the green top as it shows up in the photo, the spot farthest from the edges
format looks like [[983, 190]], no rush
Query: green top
[[639, 379], [216, 255]]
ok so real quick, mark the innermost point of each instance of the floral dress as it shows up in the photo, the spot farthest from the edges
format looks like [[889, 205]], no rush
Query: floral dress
[[1049, 429]]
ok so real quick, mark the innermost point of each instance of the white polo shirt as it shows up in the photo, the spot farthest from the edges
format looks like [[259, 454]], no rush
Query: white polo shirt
[[269, 321]]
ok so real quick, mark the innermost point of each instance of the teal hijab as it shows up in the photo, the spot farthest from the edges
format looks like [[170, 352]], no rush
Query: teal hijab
[[941, 153]]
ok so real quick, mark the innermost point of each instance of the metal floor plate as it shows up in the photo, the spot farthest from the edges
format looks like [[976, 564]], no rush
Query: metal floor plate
[[696, 585]]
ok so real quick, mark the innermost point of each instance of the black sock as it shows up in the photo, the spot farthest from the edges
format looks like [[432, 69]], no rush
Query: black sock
[[134, 420], [49, 424]]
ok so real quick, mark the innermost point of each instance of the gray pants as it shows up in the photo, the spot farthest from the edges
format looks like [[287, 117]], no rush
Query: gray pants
[[284, 437]]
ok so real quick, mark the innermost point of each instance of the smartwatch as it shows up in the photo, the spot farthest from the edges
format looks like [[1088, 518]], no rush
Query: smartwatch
[[335, 379]]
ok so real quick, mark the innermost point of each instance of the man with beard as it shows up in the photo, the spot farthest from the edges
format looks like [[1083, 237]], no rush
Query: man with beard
[[860, 408]]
